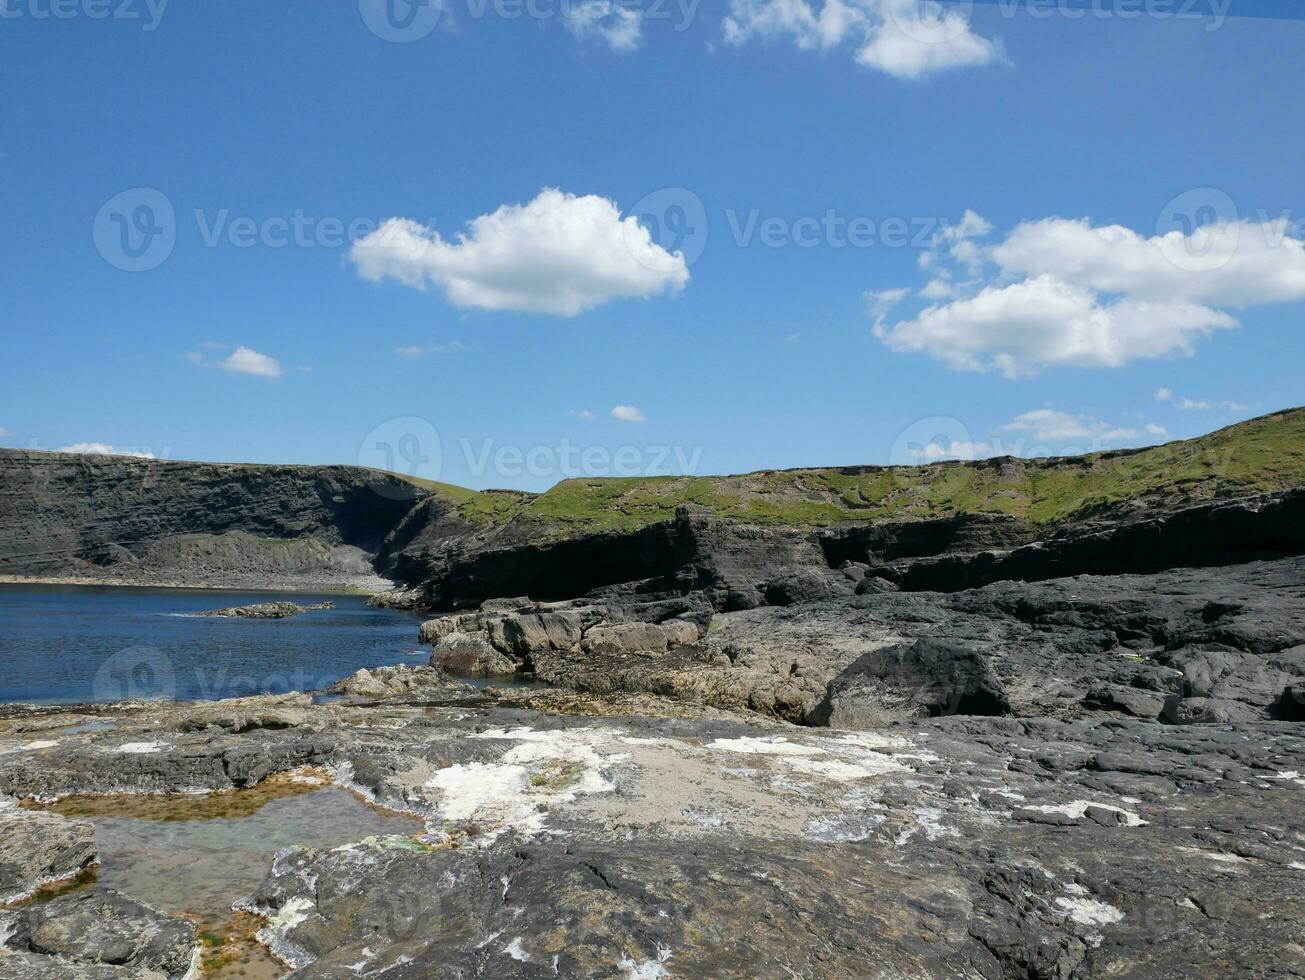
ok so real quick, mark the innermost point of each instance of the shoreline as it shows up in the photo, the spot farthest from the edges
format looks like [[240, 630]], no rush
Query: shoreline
[[191, 586]]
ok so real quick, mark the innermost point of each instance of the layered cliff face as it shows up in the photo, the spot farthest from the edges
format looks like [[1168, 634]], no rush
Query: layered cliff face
[[120, 518], [1232, 496]]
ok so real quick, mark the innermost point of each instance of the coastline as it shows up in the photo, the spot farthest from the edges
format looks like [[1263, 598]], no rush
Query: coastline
[[361, 586]]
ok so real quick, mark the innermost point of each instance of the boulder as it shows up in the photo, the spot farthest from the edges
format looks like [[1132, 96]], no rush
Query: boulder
[[36, 847], [471, 655], [922, 679], [1207, 711], [523, 634], [647, 638], [799, 585], [401, 681], [1291, 706], [100, 926], [433, 630]]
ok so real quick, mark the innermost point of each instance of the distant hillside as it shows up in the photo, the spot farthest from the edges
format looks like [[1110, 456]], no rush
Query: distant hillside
[[124, 519], [1264, 454]]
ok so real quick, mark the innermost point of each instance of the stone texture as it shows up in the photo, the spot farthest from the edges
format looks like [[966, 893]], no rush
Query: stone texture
[[38, 847], [99, 928]]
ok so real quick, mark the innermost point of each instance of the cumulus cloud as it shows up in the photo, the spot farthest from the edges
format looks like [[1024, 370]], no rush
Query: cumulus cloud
[[905, 38], [628, 413], [1163, 394], [619, 27], [1067, 293], [1223, 264], [104, 449], [243, 360], [583, 413], [558, 254]]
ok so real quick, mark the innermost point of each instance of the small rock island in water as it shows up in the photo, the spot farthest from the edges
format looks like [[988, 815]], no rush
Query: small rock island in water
[[266, 610]]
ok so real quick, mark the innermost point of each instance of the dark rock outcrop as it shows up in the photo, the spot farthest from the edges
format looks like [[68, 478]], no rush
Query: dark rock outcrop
[[114, 516], [265, 610]]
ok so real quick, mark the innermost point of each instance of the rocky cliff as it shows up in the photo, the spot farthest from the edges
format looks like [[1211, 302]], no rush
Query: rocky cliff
[[120, 518], [1235, 495]]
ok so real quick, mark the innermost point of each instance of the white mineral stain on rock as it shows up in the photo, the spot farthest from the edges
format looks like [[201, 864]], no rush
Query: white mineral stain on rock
[[1076, 809], [273, 935], [543, 770], [141, 748], [774, 745], [648, 969], [515, 950], [1088, 911]]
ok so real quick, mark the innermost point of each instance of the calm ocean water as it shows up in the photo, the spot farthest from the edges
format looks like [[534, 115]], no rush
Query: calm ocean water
[[87, 643]]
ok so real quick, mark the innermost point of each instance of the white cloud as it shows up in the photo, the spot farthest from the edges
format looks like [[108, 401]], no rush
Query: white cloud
[[956, 449], [1050, 425], [1019, 328], [3, 431], [937, 289], [243, 360], [913, 43], [905, 38], [104, 449], [1201, 405], [558, 254], [619, 26], [1163, 394], [628, 413], [583, 413], [882, 301], [1225, 264], [1066, 293], [421, 350]]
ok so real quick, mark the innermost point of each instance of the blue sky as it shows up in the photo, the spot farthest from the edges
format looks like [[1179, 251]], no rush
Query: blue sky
[[1090, 153]]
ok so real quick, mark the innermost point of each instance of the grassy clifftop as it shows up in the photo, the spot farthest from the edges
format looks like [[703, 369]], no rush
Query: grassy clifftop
[[1262, 454]]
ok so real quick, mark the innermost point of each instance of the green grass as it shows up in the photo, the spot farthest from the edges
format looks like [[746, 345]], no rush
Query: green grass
[[1259, 455]]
